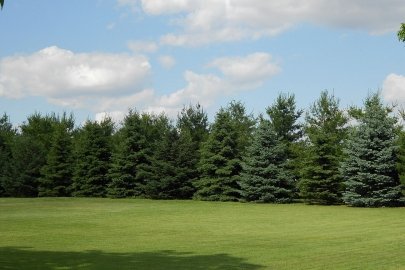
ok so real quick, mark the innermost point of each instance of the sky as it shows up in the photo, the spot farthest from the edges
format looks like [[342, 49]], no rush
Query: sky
[[102, 57]]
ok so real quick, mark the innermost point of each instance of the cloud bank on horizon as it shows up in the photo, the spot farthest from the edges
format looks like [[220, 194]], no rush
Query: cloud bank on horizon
[[113, 82]]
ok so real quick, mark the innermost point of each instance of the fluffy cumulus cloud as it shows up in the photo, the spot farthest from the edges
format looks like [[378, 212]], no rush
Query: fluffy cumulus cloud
[[70, 79], [237, 74], [205, 21], [394, 89], [110, 84], [247, 71]]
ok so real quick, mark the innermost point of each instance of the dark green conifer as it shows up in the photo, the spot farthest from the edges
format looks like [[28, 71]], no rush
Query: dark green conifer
[[321, 181], [93, 158], [57, 172], [220, 163]]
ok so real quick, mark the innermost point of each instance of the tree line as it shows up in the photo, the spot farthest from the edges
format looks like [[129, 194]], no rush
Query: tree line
[[326, 155]]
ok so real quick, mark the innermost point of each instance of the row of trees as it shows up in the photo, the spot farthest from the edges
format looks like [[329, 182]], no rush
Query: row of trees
[[327, 156]]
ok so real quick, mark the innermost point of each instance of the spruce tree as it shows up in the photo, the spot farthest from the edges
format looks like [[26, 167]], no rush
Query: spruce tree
[[166, 182], [7, 136], [93, 151], [325, 131], [220, 164], [30, 148], [131, 166], [401, 158], [57, 172], [369, 170], [284, 121], [266, 177], [192, 126]]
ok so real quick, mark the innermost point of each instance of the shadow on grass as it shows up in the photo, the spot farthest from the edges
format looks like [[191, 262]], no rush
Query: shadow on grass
[[27, 258]]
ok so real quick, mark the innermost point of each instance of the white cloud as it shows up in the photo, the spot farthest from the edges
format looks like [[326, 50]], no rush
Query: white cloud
[[394, 89], [70, 79], [158, 7], [113, 83], [207, 21], [247, 71], [115, 116], [167, 61], [139, 46], [238, 74]]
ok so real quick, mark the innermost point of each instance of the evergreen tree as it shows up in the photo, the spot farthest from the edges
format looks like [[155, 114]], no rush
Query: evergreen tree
[[284, 117], [93, 156], [243, 123], [369, 170], [192, 126], [132, 160], [401, 159], [57, 172], [266, 177], [220, 164], [166, 182], [321, 181], [30, 148], [7, 135]]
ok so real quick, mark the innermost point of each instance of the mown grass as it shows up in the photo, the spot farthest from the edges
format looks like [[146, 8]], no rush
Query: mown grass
[[81, 233]]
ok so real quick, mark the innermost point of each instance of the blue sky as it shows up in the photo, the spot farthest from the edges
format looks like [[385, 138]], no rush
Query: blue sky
[[100, 57]]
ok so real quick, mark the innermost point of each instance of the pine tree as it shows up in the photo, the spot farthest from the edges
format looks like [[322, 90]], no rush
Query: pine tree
[[93, 156], [401, 158], [132, 161], [284, 116], [57, 173], [166, 182], [266, 177], [30, 148], [321, 181], [369, 170], [192, 126], [7, 136], [220, 163]]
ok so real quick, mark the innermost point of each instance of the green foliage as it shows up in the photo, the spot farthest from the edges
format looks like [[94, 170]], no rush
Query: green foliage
[[132, 161], [57, 172], [7, 136], [266, 177], [192, 126], [29, 155], [177, 155], [243, 123], [401, 33], [221, 155], [401, 158], [93, 156], [194, 120], [321, 181], [284, 117], [369, 170], [166, 180], [1, 3]]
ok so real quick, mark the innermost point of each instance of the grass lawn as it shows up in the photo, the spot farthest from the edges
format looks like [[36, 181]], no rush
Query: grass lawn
[[81, 233]]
